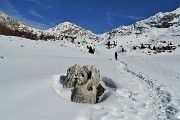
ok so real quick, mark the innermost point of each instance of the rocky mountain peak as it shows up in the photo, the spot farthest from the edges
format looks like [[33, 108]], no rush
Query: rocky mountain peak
[[10, 26], [69, 29], [64, 26]]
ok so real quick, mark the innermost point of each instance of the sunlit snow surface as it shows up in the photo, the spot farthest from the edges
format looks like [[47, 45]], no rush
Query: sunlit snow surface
[[139, 87]]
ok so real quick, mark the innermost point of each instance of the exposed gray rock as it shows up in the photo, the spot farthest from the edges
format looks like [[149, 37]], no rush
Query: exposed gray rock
[[85, 81], [81, 75], [85, 94]]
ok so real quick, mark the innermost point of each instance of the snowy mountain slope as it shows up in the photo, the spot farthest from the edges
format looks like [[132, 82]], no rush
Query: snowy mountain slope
[[29, 67], [160, 20], [70, 31], [63, 30], [157, 34], [16, 25]]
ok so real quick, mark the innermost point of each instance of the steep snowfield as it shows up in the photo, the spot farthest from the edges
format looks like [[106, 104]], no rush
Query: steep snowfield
[[138, 88]]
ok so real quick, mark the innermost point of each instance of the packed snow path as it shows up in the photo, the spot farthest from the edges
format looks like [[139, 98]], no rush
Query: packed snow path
[[159, 98]]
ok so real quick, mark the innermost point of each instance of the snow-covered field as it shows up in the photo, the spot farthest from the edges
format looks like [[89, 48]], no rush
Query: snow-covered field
[[138, 87]]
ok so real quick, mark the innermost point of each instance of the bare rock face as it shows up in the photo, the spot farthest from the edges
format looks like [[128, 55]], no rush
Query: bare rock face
[[85, 81]]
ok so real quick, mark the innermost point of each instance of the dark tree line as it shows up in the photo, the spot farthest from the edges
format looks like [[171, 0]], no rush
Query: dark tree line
[[28, 34], [9, 32]]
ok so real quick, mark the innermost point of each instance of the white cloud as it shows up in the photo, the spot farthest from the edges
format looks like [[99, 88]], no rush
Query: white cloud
[[9, 9], [44, 4], [131, 17], [38, 2], [35, 14], [111, 18], [33, 23]]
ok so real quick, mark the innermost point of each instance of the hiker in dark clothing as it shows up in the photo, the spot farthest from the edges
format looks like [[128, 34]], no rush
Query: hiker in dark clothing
[[116, 55]]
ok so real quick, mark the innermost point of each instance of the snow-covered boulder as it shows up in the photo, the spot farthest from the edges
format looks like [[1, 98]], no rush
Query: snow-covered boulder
[[77, 75], [85, 81]]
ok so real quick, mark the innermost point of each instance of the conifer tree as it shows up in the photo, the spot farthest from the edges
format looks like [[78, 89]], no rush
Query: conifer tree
[[149, 46], [154, 48], [142, 46]]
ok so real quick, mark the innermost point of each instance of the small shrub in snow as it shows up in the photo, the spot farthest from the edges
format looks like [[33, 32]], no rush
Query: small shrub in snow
[[109, 44], [134, 48], [149, 46], [142, 46], [154, 48], [163, 41], [115, 43], [123, 49], [2, 57], [72, 40], [170, 43], [91, 50]]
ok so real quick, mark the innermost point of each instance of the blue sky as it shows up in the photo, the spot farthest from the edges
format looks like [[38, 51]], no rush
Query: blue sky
[[96, 15]]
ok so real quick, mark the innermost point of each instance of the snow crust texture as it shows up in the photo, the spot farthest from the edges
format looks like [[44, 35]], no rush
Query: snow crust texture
[[131, 93]]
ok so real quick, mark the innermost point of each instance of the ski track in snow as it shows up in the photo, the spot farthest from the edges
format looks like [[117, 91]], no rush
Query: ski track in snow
[[160, 99]]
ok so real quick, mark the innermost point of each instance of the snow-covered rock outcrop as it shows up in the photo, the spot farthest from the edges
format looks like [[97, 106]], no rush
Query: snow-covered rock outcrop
[[85, 81]]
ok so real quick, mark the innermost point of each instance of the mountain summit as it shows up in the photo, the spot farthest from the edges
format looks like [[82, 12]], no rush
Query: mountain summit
[[10, 26], [71, 30]]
